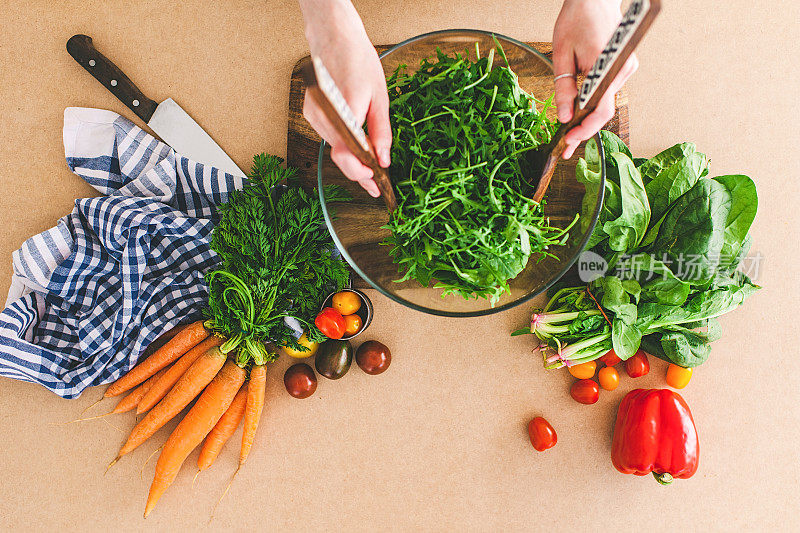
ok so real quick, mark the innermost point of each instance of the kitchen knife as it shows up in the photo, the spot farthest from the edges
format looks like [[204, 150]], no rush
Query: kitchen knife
[[319, 82], [631, 29], [167, 119]]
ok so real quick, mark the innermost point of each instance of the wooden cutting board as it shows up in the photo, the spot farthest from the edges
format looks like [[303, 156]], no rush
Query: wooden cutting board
[[302, 149]]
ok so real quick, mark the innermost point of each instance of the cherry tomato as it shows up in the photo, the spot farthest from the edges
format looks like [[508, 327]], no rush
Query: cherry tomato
[[352, 324], [331, 323], [678, 377], [300, 380], [373, 357], [542, 434], [585, 391], [638, 365], [346, 302], [583, 370], [303, 341], [610, 358], [608, 378]]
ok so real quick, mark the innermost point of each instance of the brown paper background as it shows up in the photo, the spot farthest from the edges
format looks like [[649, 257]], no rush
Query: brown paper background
[[438, 442]]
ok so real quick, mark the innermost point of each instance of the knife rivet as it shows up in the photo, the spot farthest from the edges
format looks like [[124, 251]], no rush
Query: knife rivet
[[135, 103], [92, 63], [113, 83]]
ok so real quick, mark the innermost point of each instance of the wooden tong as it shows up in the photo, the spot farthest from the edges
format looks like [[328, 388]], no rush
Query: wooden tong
[[629, 33], [319, 81]]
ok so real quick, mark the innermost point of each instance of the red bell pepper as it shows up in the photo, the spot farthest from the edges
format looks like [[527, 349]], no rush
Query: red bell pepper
[[655, 432]]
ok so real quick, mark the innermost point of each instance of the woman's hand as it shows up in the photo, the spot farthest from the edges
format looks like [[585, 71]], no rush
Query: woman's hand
[[337, 36], [581, 32]]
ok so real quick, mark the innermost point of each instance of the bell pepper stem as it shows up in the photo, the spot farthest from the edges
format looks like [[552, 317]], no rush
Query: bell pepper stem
[[664, 478]]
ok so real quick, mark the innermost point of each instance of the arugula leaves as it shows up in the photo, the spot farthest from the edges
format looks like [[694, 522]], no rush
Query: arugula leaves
[[465, 220], [277, 261]]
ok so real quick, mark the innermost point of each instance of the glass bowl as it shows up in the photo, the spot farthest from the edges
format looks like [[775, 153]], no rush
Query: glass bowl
[[356, 225]]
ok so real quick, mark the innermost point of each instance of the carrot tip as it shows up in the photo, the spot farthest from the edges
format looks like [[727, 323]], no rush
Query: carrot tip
[[112, 463], [92, 405], [85, 419], [195, 478]]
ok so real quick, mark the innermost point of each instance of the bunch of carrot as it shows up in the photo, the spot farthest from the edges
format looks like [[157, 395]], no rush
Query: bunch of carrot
[[192, 364]]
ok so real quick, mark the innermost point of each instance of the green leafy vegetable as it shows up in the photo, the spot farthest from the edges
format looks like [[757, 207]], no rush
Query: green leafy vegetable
[[465, 219], [277, 261], [673, 239]]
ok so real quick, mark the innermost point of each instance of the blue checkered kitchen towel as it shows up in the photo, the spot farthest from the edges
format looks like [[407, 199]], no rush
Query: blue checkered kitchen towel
[[90, 294]]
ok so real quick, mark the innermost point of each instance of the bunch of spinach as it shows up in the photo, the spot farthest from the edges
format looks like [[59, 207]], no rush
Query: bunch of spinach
[[277, 261], [465, 219], [673, 239]]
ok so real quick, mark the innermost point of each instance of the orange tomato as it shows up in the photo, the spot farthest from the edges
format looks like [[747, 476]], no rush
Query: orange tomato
[[583, 370], [677, 376], [346, 302], [608, 378], [352, 324]]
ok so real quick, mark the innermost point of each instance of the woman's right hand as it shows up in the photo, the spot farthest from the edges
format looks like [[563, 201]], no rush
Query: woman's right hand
[[337, 36]]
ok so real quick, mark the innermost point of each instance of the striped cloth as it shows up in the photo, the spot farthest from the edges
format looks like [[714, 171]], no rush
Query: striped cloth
[[90, 294]]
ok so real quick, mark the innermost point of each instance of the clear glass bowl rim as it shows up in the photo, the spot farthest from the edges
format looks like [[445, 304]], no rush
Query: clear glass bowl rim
[[492, 310]]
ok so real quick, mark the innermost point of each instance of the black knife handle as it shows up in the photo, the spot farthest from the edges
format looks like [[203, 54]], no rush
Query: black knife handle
[[80, 47]]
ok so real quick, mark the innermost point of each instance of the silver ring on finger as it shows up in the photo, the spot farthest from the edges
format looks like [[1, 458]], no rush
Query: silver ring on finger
[[567, 75]]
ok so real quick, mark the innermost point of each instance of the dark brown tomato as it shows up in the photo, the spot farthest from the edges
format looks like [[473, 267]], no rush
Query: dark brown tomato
[[300, 380], [373, 357], [334, 358]]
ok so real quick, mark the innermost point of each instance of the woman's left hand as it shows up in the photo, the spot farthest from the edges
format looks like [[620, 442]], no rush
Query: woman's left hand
[[581, 32]]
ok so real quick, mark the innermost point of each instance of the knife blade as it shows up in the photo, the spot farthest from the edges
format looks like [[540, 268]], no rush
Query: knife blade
[[167, 119]]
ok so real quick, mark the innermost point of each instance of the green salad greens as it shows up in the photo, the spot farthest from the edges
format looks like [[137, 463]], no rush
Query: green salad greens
[[465, 219], [672, 240], [277, 261]]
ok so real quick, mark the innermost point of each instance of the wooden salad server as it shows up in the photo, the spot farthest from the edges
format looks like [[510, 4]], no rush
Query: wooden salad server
[[319, 81], [631, 29]]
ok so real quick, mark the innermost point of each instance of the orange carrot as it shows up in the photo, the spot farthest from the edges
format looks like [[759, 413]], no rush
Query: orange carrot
[[185, 390], [132, 400], [255, 405], [194, 427], [163, 385], [222, 431], [178, 345]]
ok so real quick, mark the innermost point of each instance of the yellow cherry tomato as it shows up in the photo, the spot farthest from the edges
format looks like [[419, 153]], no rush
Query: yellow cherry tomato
[[678, 377], [346, 302], [583, 370], [302, 341], [608, 378], [352, 324]]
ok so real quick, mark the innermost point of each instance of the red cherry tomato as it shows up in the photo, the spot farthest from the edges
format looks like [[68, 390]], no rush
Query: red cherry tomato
[[610, 358], [542, 434], [585, 391], [331, 323], [638, 365], [300, 380]]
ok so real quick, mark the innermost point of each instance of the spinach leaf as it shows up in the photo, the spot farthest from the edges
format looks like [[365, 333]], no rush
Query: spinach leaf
[[673, 181], [627, 231], [616, 297], [742, 212], [657, 281], [658, 163], [684, 347], [693, 231]]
